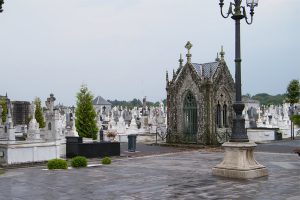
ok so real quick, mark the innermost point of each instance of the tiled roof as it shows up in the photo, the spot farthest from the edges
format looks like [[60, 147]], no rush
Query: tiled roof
[[100, 101], [205, 68]]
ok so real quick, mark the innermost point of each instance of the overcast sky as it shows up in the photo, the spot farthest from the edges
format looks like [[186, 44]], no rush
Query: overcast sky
[[122, 48]]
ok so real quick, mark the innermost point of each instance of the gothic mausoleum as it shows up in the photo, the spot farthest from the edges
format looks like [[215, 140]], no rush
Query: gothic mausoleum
[[199, 101]]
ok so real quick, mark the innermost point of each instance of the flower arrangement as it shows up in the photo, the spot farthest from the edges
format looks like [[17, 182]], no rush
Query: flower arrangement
[[111, 133]]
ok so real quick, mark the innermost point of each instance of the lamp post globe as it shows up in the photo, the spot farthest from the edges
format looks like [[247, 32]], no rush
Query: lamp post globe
[[252, 3], [1, 3]]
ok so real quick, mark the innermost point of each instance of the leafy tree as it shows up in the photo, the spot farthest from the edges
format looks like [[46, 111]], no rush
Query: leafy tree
[[296, 120], [165, 102], [266, 99], [134, 103], [293, 92], [86, 123], [39, 113], [4, 109]]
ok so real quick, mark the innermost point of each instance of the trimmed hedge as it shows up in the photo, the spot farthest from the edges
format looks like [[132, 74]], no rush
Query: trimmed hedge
[[57, 164], [106, 161], [79, 161]]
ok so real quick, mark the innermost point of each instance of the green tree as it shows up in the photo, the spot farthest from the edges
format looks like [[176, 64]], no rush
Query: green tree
[[292, 97], [86, 123], [266, 99], [293, 92], [296, 120], [39, 113], [4, 109]]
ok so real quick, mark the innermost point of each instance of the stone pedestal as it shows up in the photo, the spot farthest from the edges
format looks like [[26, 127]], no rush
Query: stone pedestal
[[239, 162], [11, 136]]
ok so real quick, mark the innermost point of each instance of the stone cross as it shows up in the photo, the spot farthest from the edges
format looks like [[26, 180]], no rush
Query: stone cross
[[188, 46]]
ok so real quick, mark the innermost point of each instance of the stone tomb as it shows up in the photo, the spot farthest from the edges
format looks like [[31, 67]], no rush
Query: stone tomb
[[35, 148]]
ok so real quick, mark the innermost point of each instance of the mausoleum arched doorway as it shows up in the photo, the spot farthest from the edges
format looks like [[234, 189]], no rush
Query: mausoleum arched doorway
[[190, 118]]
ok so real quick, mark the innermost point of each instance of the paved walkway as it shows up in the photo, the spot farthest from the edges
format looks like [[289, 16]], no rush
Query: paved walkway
[[180, 175], [280, 146]]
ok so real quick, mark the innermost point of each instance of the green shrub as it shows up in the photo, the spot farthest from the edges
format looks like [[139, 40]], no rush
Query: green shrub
[[106, 161], [57, 164], [79, 161]]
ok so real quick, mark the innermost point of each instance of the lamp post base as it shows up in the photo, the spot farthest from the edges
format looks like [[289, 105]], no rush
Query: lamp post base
[[239, 162]]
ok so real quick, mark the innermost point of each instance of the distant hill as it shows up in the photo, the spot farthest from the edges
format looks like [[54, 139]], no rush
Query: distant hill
[[266, 99]]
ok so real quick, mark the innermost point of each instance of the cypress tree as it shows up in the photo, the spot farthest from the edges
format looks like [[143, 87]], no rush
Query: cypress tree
[[39, 113], [85, 122], [4, 109]]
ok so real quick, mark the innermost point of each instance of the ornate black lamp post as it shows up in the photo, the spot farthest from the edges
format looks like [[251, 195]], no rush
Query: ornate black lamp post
[[239, 159], [237, 13]]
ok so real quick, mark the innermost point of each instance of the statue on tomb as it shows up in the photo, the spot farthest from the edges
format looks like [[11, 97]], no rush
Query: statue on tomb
[[127, 116], [33, 132], [32, 110], [144, 109], [50, 102], [116, 115], [252, 114]]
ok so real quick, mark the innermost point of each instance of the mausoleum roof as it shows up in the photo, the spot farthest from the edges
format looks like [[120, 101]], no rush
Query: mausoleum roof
[[206, 68], [100, 101]]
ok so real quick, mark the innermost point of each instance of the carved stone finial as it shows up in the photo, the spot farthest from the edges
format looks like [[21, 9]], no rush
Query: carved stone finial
[[167, 76], [188, 46], [217, 58], [222, 53], [180, 60], [174, 75]]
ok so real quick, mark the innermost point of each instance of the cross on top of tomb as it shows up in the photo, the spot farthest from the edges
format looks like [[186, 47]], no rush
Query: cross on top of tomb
[[188, 46]]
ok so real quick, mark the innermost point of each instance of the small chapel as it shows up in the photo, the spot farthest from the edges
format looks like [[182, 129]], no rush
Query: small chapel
[[199, 101]]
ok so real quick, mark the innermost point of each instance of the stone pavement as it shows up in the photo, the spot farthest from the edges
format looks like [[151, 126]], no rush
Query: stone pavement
[[280, 146], [179, 175], [150, 149]]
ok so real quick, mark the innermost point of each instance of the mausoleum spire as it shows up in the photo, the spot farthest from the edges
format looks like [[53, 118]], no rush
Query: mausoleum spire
[[174, 75], [222, 53], [180, 61], [217, 58], [167, 77], [188, 46]]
